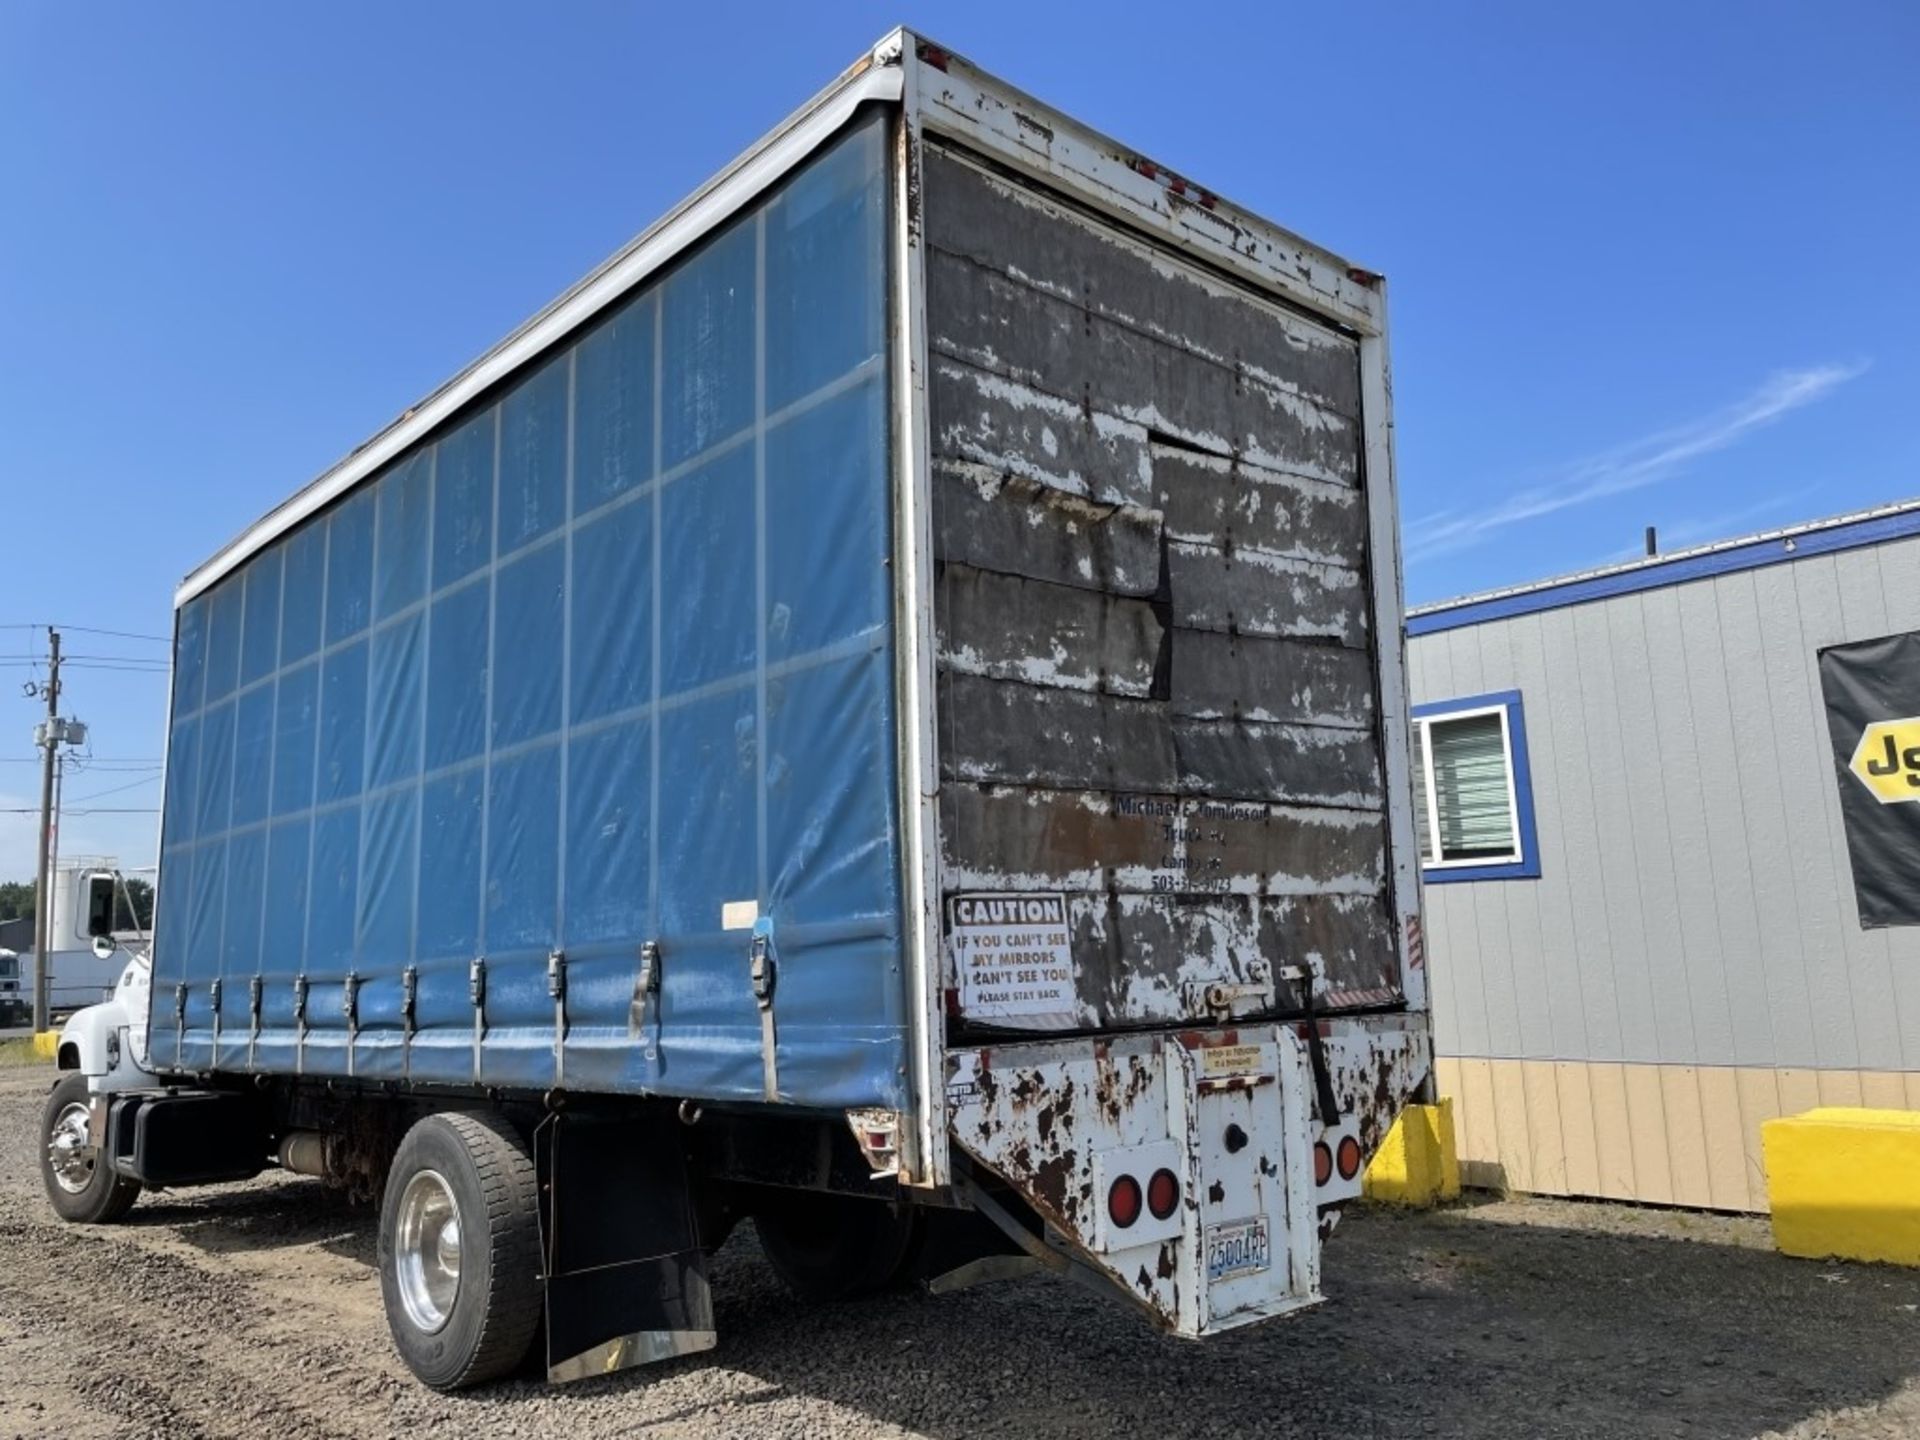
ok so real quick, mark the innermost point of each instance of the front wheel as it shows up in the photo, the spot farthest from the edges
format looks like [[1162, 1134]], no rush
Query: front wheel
[[460, 1250], [81, 1186]]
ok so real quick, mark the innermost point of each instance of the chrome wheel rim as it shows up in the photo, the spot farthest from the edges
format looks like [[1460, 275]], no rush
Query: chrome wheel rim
[[426, 1250], [69, 1150]]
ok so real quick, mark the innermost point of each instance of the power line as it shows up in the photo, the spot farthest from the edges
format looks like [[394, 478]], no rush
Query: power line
[[117, 659], [89, 760], [107, 810], [92, 630], [102, 794], [118, 634]]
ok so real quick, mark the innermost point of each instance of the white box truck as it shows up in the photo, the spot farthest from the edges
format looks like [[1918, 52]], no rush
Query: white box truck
[[881, 711]]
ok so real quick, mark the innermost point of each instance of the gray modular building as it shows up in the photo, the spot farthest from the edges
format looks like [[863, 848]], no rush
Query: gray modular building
[[1641, 919]]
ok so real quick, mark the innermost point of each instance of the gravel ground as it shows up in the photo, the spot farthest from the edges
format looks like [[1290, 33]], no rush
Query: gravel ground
[[254, 1310]]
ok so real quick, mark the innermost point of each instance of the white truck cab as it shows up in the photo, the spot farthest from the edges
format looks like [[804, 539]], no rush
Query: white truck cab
[[108, 1042]]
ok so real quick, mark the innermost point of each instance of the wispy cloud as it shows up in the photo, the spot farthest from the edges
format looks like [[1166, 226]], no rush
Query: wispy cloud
[[1631, 466]]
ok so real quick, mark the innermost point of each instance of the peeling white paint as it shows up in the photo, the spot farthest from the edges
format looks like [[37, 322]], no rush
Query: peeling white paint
[[1300, 335]]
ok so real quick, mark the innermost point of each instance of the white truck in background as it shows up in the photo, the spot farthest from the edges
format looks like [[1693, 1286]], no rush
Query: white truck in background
[[16, 1005], [88, 953]]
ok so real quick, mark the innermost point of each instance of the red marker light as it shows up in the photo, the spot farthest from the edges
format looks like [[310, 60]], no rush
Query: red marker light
[[1349, 1158], [1123, 1202], [1163, 1194], [1322, 1163]]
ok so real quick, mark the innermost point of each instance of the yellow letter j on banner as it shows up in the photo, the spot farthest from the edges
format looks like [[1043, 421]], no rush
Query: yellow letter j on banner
[[1872, 690], [1887, 759]]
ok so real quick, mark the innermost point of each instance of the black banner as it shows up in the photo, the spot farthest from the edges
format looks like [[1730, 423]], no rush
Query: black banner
[[1873, 711]]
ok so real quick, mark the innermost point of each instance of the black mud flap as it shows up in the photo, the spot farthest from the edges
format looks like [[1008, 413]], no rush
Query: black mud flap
[[626, 1278]]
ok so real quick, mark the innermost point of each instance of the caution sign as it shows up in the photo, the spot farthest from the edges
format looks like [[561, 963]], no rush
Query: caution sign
[[1013, 960], [1872, 691]]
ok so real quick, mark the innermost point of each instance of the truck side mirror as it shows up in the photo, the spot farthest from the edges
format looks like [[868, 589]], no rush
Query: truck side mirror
[[103, 947], [100, 906]]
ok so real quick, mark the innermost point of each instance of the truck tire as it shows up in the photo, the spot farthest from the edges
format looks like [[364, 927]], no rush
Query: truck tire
[[82, 1188], [460, 1250], [829, 1247]]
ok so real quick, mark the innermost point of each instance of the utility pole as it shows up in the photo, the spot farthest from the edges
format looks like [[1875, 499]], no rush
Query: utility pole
[[49, 738]]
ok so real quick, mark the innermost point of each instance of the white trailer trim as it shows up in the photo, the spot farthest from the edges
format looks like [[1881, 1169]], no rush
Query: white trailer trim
[[1386, 576], [928, 1162], [739, 185]]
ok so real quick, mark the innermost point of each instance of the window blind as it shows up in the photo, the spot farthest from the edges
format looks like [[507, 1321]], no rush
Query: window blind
[[1469, 759], [1422, 824]]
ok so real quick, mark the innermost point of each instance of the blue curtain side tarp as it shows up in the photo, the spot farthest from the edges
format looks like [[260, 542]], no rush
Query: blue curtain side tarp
[[608, 661]]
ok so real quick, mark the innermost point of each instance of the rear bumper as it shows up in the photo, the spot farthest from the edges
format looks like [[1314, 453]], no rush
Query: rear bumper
[[1222, 1120]]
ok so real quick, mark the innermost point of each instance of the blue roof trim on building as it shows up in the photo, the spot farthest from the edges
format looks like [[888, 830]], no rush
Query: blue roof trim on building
[[1778, 548], [1527, 867]]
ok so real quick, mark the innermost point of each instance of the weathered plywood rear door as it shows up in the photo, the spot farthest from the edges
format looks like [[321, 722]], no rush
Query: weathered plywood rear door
[[1160, 759]]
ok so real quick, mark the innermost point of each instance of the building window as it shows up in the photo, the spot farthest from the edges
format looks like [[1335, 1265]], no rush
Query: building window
[[1472, 791]]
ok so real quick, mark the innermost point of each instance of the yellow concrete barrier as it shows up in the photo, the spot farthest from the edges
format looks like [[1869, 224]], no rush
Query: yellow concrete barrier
[[46, 1043], [1842, 1182], [1418, 1163]]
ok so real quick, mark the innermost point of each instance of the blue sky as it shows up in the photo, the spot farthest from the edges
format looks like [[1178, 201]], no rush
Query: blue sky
[[1650, 264]]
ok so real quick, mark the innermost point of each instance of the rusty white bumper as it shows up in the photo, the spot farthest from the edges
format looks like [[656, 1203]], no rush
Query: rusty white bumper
[[1189, 1168]]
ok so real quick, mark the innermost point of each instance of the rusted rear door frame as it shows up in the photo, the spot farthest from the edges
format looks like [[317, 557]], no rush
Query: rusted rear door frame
[[925, 1159], [944, 95]]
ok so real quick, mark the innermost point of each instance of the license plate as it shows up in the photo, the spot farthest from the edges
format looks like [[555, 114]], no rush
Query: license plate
[[1239, 1247]]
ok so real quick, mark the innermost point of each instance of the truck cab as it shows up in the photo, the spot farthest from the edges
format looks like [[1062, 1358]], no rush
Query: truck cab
[[16, 1007]]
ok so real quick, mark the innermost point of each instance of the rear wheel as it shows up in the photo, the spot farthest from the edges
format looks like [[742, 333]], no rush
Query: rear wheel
[[81, 1185], [460, 1250], [829, 1247]]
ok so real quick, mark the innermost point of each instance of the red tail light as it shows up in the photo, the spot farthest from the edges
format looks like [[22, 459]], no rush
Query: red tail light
[[1163, 1194], [1322, 1163], [1349, 1157], [1123, 1202]]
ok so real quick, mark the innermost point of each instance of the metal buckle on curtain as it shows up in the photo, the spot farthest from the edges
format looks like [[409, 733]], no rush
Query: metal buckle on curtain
[[409, 999], [350, 1007], [557, 990], [763, 970], [299, 1024], [646, 989], [477, 994], [256, 998]]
